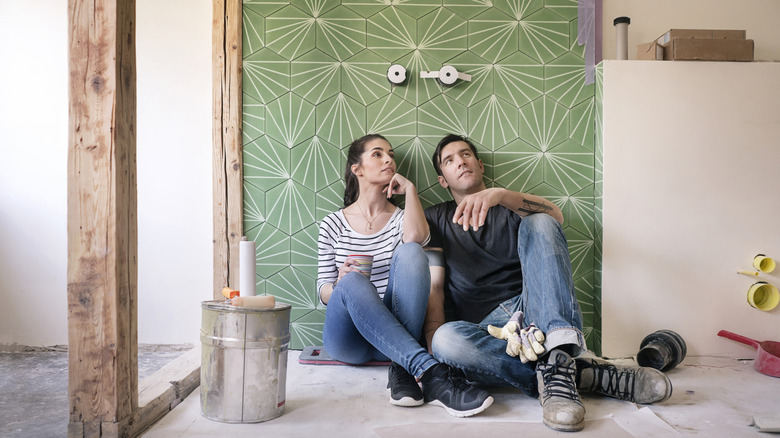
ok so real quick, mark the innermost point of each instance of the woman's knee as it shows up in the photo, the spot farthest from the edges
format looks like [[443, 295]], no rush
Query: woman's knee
[[410, 251]]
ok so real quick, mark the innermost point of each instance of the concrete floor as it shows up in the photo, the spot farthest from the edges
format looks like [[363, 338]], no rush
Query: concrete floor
[[713, 397], [34, 388]]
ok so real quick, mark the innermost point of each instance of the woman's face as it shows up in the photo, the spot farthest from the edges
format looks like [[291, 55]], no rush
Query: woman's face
[[377, 162]]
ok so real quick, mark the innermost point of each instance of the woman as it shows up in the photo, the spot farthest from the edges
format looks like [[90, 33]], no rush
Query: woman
[[381, 318]]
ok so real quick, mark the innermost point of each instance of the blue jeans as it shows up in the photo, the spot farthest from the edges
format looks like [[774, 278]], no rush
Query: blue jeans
[[360, 327], [547, 299]]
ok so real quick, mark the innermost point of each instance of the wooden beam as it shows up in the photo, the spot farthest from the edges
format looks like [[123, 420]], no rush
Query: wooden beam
[[102, 225], [162, 391], [227, 151]]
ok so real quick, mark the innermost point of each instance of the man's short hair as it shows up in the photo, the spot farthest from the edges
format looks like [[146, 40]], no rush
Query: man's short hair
[[443, 143]]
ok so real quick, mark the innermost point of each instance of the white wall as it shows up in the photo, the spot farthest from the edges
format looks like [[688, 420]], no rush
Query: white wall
[[691, 183], [650, 19], [173, 43]]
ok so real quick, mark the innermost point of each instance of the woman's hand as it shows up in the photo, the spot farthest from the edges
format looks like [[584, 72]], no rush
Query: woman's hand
[[348, 266], [398, 185]]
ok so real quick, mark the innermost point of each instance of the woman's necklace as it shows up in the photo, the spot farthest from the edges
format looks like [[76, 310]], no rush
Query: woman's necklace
[[368, 221]]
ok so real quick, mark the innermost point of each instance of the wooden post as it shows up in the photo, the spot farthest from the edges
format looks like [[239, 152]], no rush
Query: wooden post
[[102, 224], [227, 151]]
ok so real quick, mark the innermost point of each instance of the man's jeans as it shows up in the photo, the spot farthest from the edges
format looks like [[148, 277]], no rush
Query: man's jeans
[[360, 327], [548, 300]]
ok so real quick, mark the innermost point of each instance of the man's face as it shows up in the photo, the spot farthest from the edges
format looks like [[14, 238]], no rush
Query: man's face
[[461, 170]]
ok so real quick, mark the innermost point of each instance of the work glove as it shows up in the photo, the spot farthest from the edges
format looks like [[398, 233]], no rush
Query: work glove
[[525, 343]]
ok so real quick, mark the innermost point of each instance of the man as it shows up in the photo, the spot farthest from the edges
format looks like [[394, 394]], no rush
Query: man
[[505, 252]]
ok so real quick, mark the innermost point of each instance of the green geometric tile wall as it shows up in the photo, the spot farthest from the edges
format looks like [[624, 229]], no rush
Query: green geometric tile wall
[[314, 79]]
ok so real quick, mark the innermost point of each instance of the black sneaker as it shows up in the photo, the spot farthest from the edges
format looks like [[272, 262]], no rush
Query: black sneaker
[[635, 384], [447, 387], [561, 406], [404, 390]]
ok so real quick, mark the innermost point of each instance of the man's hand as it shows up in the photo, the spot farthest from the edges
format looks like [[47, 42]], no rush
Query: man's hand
[[472, 209], [525, 343]]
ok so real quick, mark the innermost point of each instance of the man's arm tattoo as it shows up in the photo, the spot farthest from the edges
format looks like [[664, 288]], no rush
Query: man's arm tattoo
[[530, 207]]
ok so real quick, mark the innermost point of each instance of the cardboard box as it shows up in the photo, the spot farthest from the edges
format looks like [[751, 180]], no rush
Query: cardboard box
[[699, 49], [650, 51], [713, 34]]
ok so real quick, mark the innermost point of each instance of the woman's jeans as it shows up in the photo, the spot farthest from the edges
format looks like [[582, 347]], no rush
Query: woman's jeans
[[360, 327], [547, 299]]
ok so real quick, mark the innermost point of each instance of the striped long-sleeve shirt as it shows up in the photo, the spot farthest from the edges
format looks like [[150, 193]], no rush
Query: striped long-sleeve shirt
[[337, 240]]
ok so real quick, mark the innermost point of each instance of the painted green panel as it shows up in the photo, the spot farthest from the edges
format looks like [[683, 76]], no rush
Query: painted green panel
[[544, 36], [481, 84], [306, 330], [290, 206], [293, 287], [290, 32], [315, 8], [266, 76], [493, 122], [544, 123], [417, 8], [392, 117], [442, 35], [467, 8], [254, 206], [366, 8], [315, 76], [493, 35], [264, 7], [316, 163], [519, 166], [391, 34], [565, 8], [519, 79], [253, 31], [581, 252], [568, 167], [578, 209], [565, 81], [418, 90], [434, 195], [252, 120], [518, 9], [414, 162], [329, 199], [574, 46], [340, 119], [581, 123], [272, 248], [315, 79], [303, 246], [289, 120], [266, 163], [341, 33], [441, 116], [364, 77]]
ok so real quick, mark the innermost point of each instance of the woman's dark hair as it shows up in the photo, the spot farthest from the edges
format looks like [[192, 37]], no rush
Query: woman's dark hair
[[356, 149], [450, 138]]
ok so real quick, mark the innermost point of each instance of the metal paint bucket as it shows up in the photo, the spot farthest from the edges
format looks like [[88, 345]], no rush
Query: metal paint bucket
[[243, 371]]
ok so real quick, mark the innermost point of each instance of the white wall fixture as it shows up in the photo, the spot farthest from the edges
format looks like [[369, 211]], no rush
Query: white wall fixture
[[396, 74], [447, 76]]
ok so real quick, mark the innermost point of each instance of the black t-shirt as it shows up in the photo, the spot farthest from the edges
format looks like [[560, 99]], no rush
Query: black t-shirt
[[482, 267]]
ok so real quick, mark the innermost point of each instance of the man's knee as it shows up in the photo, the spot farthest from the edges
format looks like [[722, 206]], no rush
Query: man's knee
[[448, 341], [540, 222]]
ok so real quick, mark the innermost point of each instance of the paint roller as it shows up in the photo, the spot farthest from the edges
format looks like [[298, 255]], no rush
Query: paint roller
[[256, 301]]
